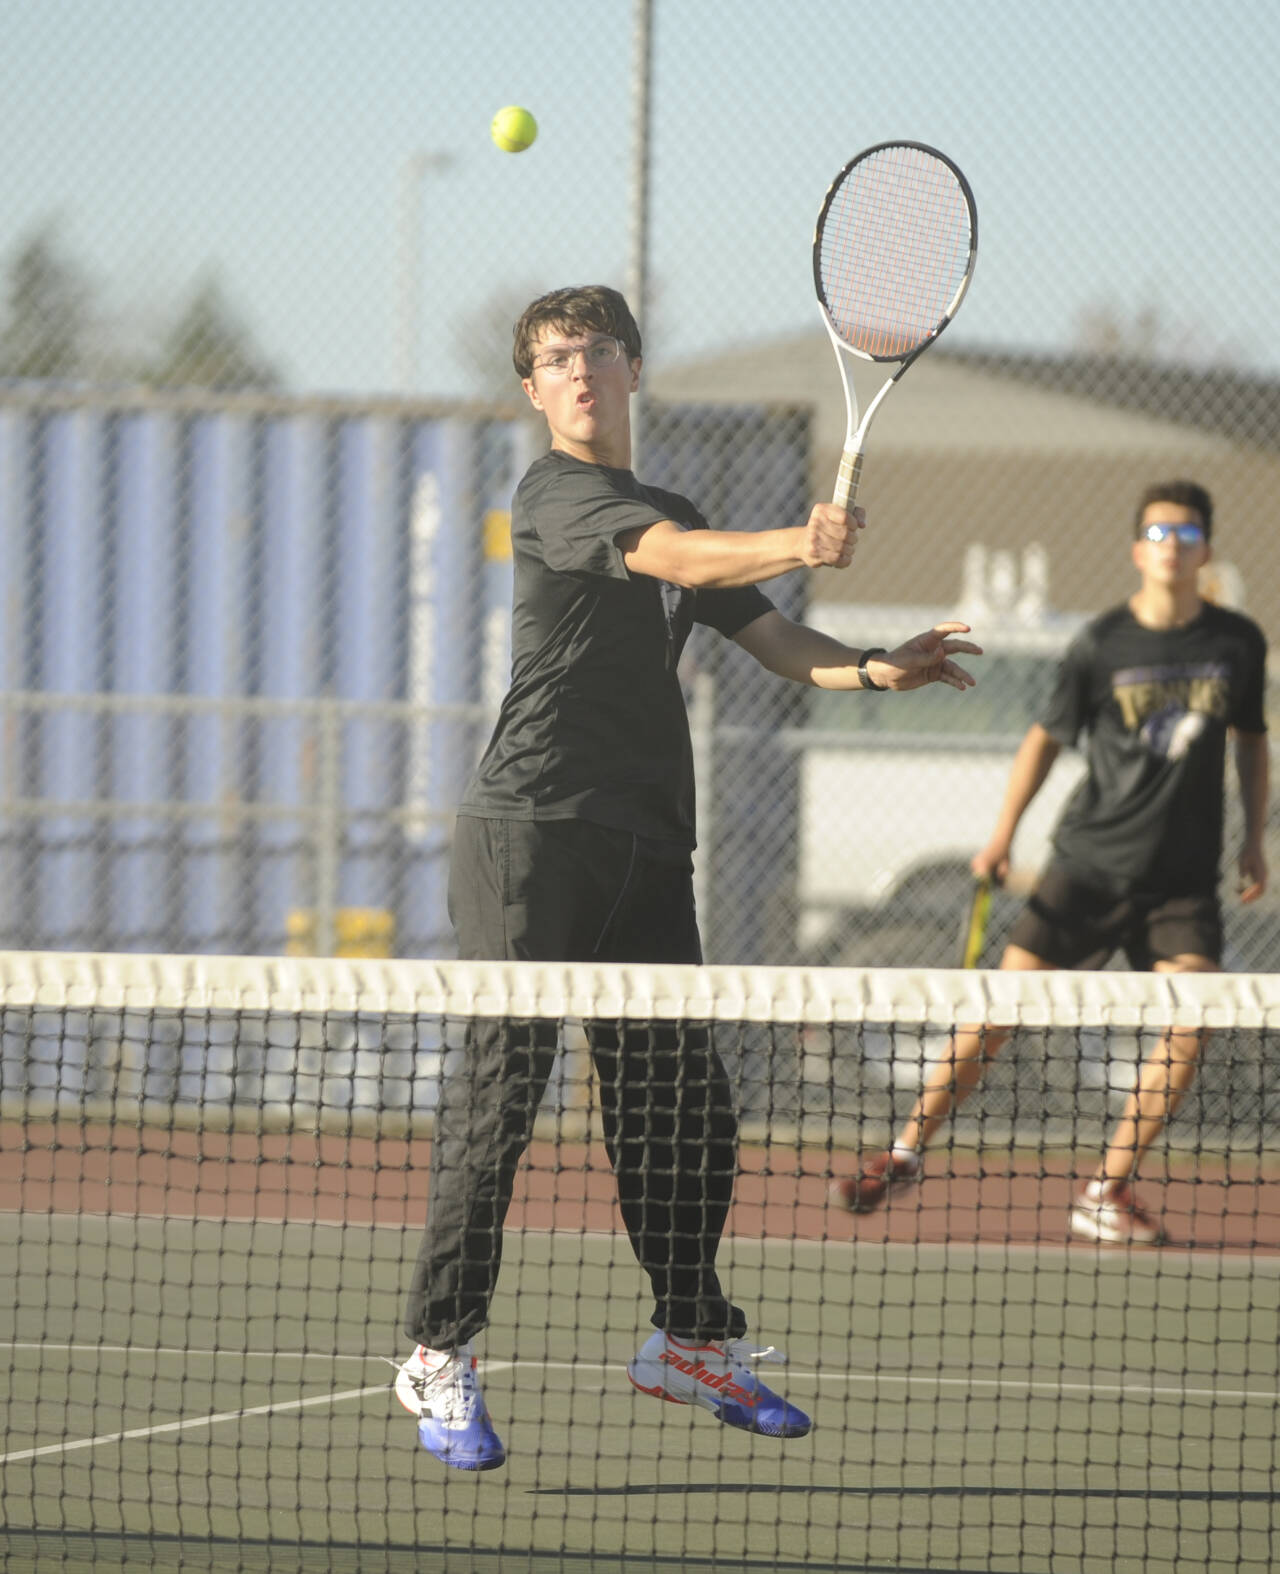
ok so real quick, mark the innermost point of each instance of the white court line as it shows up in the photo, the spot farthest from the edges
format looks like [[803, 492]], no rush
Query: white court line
[[273, 1221], [187, 1351], [816, 1375], [1029, 1385], [1208, 1258], [183, 1426], [968, 1384], [1036, 1385]]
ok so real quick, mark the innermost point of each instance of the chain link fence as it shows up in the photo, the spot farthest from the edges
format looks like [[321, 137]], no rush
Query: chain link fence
[[259, 430]]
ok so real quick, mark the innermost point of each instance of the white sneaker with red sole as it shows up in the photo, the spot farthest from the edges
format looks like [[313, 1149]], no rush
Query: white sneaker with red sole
[[716, 1375]]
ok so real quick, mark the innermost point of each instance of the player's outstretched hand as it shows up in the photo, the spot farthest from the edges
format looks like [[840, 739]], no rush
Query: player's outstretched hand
[[926, 659], [831, 536]]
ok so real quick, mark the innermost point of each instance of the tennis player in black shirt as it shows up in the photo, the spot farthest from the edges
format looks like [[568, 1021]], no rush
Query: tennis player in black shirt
[[574, 843], [1157, 684]]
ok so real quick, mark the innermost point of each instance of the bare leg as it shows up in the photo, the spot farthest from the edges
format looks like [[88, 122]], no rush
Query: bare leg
[[1165, 1076], [960, 1069], [949, 1083]]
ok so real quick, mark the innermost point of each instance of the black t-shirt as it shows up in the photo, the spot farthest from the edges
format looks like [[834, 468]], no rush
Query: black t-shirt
[[594, 725], [1156, 704]]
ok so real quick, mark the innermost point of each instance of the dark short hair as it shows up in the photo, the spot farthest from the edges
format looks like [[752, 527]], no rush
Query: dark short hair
[[1186, 494], [582, 308]]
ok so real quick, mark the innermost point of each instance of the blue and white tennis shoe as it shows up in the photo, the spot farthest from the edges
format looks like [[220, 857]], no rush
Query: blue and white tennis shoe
[[441, 1389], [716, 1375]]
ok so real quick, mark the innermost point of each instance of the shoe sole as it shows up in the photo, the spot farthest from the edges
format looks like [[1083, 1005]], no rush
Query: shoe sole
[[715, 1409], [408, 1396], [655, 1393], [1088, 1228], [445, 1456]]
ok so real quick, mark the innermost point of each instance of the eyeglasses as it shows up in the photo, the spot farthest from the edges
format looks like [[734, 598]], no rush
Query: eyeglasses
[[1186, 535], [598, 354]]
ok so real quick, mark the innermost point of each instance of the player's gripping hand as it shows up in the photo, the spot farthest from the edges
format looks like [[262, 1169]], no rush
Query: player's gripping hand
[[992, 862], [831, 535], [1252, 865]]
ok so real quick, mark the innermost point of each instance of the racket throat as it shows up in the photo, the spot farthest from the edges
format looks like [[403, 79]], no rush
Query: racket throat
[[850, 472]]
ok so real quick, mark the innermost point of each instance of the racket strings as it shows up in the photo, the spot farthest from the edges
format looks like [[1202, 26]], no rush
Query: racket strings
[[895, 247]]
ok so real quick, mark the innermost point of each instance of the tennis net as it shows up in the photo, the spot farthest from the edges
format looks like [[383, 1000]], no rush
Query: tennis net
[[213, 1174]]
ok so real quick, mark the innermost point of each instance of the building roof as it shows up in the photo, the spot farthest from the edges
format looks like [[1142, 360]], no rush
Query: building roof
[[1005, 450], [988, 401]]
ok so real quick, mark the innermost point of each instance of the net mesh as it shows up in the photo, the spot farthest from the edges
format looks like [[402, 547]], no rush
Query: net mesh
[[894, 244], [214, 1173]]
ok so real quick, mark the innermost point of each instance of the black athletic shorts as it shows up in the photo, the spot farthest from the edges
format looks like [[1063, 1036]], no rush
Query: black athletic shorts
[[1070, 921]]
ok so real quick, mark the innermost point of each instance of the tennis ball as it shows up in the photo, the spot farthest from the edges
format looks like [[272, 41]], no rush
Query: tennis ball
[[513, 129]]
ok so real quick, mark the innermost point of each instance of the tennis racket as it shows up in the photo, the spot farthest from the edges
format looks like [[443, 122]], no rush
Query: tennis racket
[[893, 254], [973, 932]]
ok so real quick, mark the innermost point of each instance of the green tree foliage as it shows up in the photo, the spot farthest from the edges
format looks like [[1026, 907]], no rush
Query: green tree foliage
[[52, 326], [1147, 335], [208, 346], [46, 326]]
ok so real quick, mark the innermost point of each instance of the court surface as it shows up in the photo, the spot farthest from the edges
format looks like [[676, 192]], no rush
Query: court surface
[[211, 1393]]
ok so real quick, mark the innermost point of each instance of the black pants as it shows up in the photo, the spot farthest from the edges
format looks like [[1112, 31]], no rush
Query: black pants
[[568, 890]]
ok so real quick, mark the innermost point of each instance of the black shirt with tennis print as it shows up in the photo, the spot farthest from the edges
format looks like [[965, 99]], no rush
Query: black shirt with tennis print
[[594, 725], [1156, 705]]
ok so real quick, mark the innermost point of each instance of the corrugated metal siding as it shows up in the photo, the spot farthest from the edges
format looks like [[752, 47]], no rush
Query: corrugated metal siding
[[251, 649]]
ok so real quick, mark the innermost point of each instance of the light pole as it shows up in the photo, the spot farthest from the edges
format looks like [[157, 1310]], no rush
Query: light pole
[[641, 83], [409, 287], [638, 263]]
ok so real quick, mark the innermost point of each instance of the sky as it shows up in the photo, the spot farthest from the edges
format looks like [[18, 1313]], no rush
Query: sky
[[1119, 153]]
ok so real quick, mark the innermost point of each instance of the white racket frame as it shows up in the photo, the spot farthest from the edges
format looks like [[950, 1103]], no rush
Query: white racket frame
[[850, 472]]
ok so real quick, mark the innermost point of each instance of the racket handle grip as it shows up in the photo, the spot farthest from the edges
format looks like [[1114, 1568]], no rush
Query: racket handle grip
[[975, 931], [847, 480]]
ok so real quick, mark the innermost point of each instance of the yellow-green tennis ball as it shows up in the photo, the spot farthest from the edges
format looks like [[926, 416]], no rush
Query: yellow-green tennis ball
[[513, 129]]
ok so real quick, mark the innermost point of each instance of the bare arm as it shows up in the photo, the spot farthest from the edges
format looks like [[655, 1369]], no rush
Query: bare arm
[[724, 559], [1253, 766], [805, 655], [1031, 765]]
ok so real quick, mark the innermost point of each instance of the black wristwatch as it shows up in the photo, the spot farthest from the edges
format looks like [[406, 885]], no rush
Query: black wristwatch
[[864, 677]]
